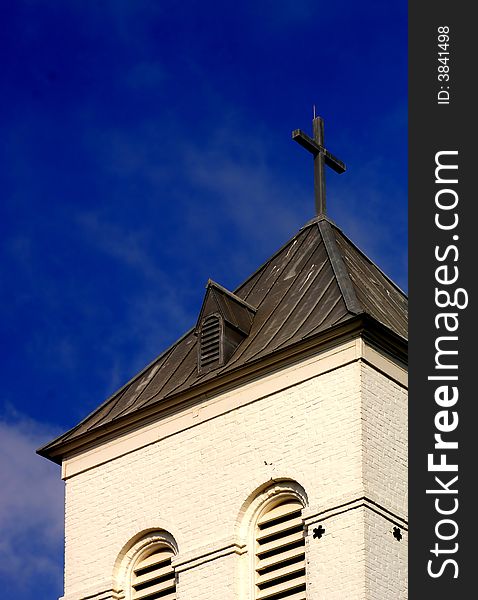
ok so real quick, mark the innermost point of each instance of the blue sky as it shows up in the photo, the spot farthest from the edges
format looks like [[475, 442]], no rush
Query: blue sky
[[146, 146]]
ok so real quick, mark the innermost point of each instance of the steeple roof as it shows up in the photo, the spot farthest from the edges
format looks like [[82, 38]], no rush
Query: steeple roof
[[318, 284]]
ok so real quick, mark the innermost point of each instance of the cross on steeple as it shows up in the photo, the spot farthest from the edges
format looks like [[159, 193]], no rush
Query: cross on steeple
[[322, 157]]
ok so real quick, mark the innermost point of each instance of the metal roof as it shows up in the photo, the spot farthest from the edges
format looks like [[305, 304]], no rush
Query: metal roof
[[235, 310], [316, 281]]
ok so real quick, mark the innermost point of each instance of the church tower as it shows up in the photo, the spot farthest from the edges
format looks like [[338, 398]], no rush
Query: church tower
[[263, 456]]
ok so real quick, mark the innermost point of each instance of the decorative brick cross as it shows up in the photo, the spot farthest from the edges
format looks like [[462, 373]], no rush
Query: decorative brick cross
[[318, 532], [397, 534]]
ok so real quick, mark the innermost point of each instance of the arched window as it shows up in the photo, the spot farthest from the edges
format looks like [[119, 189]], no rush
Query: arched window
[[152, 576], [280, 552]]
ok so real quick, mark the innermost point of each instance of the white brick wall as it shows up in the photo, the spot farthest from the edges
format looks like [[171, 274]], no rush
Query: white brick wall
[[386, 559], [195, 482], [336, 561], [385, 440], [385, 445]]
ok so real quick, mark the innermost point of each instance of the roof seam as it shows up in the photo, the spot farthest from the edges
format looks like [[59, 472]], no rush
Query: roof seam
[[168, 379], [261, 269], [289, 259], [139, 399], [296, 303], [370, 261], [326, 316], [336, 293], [248, 342], [304, 321]]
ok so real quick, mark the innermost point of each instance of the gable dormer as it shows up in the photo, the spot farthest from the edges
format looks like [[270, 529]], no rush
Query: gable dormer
[[224, 321]]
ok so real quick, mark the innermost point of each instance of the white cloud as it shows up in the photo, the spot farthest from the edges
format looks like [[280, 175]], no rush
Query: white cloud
[[31, 505]]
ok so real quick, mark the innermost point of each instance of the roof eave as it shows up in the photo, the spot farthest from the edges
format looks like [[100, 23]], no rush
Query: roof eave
[[362, 324]]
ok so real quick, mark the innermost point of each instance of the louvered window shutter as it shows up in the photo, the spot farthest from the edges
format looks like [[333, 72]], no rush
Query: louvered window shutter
[[210, 342], [280, 553], [153, 576]]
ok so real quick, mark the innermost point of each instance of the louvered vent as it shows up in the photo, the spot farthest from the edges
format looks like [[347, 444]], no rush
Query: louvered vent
[[153, 577], [210, 349], [280, 553]]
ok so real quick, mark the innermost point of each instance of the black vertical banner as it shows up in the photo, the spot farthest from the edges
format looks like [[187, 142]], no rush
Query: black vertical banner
[[443, 258]]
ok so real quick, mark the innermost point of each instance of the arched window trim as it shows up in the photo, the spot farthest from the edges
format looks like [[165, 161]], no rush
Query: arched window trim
[[259, 503], [145, 543]]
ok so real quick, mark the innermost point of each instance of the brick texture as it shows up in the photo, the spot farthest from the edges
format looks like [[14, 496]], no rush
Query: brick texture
[[340, 435]]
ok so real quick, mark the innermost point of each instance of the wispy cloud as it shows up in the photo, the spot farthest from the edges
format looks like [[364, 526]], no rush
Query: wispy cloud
[[31, 506], [152, 312], [249, 195], [246, 195], [253, 198]]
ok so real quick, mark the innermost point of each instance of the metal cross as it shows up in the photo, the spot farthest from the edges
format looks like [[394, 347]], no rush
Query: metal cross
[[322, 157]]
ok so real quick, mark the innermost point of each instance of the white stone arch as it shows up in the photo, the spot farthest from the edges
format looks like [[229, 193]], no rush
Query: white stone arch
[[131, 552], [273, 490], [259, 501]]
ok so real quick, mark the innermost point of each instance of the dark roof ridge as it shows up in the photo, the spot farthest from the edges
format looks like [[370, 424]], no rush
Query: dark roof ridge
[[344, 278], [234, 310], [235, 297], [318, 219], [324, 218], [368, 259], [290, 241], [340, 269]]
